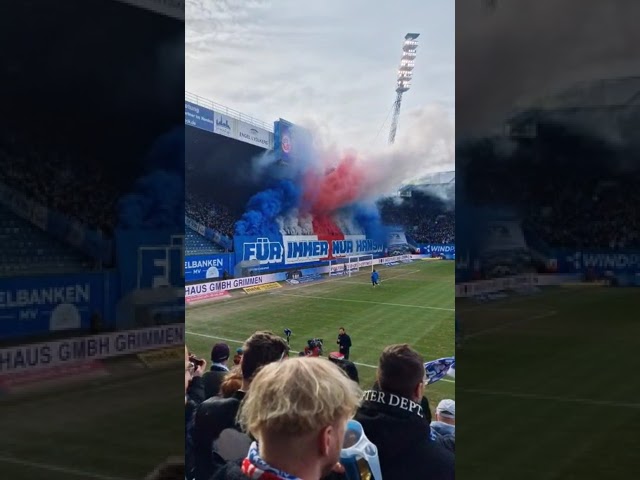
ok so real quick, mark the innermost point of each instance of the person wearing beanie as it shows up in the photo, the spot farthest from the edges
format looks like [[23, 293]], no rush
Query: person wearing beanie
[[215, 376]]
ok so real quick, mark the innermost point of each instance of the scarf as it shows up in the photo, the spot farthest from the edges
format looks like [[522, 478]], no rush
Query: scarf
[[256, 468], [437, 369], [219, 367]]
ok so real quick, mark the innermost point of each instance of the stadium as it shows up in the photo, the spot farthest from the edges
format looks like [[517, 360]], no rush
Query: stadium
[[280, 239], [285, 238]]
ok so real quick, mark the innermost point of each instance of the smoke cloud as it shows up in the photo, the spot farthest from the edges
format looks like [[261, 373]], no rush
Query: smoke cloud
[[157, 201], [332, 192]]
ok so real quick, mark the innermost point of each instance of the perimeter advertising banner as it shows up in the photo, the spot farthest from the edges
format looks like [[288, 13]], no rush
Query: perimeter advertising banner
[[567, 261], [254, 135], [197, 116], [23, 358], [274, 253], [202, 267], [37, 305], [222, 124], [447, 251]]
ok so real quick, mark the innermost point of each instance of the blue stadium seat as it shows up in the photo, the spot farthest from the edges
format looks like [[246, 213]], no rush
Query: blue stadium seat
[[196, 244], [29, 250]]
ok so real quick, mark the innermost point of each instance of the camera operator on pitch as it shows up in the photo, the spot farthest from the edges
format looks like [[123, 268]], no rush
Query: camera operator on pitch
[[314, 347]]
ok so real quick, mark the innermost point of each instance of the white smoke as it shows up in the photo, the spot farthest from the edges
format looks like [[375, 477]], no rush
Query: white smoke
[[347, 225], [295, 223], [424, 145]]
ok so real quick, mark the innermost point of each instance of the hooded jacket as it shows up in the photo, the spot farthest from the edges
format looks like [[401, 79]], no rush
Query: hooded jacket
[[398, 427]]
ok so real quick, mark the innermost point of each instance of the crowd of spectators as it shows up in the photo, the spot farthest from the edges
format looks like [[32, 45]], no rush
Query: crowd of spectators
[[568, 195], [60, 181], [268, 416], [425, 219], [215, 216]]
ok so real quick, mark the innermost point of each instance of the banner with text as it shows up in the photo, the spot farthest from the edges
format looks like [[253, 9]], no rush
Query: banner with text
[[290, 250], [213, 290], [42, 355], [197, 116], [34, 306], [206, 291], [596, 261], [202, 267], [447, 251], [255, 135], [227, 125]]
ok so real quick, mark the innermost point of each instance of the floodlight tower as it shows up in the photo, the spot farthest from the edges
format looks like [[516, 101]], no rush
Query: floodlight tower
[[405, 72]]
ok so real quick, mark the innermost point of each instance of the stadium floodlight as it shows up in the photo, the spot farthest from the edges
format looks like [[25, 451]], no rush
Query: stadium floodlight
[[405, 74]]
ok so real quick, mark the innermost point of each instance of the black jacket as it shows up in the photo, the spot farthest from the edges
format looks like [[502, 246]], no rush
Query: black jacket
[[229, 471], [344, 341], [212, 381], [215, 416], [194, 397], [195, 390], [399, 429]]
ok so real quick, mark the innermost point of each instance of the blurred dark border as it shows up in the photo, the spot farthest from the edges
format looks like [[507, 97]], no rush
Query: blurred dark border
[[91, 221], [548, 252]]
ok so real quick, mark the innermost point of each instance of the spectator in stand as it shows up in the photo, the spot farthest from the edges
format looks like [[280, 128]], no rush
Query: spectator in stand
[[208, 213], [237, 357], [66, 183], [216, 434], [444, 426], [231, 383], [297, 410], [445, 422], [426, 219], [214, 377], [395, 421], [193, 397]]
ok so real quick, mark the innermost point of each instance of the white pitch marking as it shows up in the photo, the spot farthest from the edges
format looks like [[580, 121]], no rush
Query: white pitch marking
[[214, 337], [365, 301]]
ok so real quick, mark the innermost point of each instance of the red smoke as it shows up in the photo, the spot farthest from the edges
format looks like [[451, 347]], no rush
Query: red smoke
[[324, 225], [327, 193]]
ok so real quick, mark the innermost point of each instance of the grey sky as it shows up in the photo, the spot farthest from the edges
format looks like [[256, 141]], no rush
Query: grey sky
[[330, 64], [527, 49]]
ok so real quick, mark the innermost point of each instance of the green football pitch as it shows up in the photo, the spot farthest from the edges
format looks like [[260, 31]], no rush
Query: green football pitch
[[414, 304], [116, 428], [550, 387]]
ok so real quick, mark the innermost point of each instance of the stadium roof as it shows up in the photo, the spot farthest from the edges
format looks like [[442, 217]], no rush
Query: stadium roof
[[438, 178], [599, 94]]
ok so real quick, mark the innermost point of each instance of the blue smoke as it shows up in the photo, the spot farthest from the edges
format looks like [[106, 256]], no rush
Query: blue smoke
[[157, 199], [264, 207], [368, 217]]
